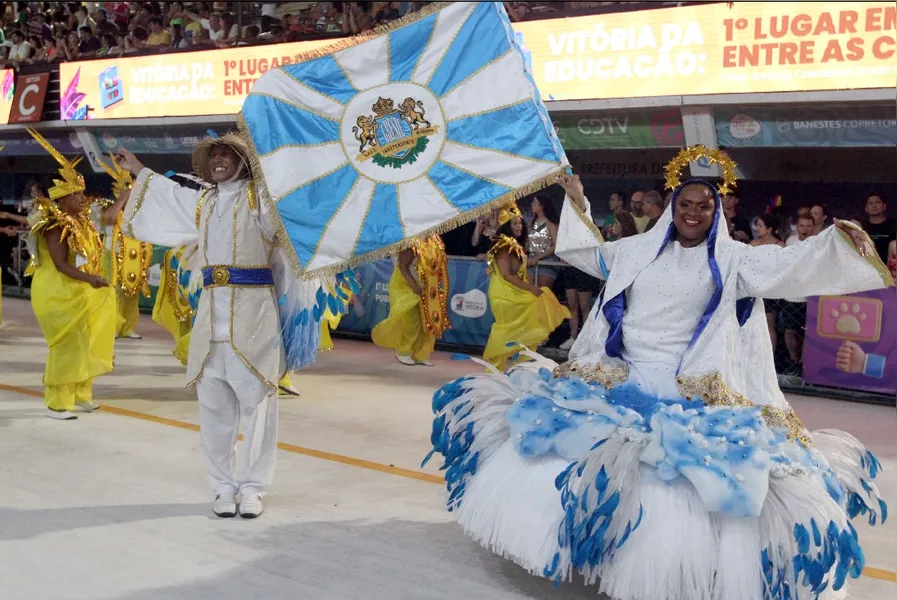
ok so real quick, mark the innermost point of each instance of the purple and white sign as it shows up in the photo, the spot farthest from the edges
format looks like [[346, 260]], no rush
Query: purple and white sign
[[851, 341]]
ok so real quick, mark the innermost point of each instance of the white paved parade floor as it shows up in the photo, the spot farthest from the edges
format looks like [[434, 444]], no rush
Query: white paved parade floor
[[115, 504]]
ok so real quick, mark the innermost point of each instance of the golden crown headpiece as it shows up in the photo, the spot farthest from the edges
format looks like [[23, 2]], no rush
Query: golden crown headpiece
[[507, 214], [122, 180], [70, 182], [673, 169]]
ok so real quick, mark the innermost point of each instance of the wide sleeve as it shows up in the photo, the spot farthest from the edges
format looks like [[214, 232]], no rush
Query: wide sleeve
[[580, 243], [823, 265], [161, 211]]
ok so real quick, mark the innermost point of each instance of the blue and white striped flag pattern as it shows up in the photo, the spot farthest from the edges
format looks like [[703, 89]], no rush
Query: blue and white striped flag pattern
[[413, 131]]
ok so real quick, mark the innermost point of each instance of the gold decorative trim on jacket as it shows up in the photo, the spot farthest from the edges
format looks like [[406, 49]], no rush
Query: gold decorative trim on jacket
[[432, 274], [79, 233], [133, 259], [505, 242]]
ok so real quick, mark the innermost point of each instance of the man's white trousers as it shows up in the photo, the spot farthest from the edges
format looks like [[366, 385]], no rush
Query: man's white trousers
[[229, 392]]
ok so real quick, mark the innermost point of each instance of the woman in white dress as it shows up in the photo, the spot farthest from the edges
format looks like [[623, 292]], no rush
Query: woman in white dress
[[663, 462]]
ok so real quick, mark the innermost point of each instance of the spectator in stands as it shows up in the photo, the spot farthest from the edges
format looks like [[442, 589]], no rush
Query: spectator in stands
[[230, 31], [122, 15], [624, 226], [105, 26], [38, 27], [483, 234], [109, 45], [637, 206], [357, 19], [21, 49], [39, 51], [250, 36], [384, 12], [764, 228], [89, 43], [331, 20], [617, 204], [178, 39], [142, 18], [818, 213], [136, 42], [269, 15], [739, 226], [542, 238], [159, 37], [794, 310], [653, 208], [84, 19], [880, 227]]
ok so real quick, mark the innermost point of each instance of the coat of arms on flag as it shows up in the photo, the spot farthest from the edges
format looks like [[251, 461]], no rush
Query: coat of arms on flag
[[390, 137]]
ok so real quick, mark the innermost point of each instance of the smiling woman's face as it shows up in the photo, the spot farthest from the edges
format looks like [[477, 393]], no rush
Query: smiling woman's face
[[694, 214]]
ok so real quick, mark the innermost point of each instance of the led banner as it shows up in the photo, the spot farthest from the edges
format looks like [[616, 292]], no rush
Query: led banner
[[706, 49], [715, 49], [7, 92], [841, 127], [211, 82], [609, 130]]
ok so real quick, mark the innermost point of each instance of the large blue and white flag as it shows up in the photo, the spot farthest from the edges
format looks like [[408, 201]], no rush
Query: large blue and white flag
[[401, 134]]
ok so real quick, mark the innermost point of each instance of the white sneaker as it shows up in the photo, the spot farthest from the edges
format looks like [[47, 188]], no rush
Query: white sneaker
[[405, 360], [134, 336], [424, 363], [287, 391], [88, 406], [567, 345], [225, 506], [251, 506], [61, 415]]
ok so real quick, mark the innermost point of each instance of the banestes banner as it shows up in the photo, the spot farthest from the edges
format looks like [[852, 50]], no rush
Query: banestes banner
[[706, 49]]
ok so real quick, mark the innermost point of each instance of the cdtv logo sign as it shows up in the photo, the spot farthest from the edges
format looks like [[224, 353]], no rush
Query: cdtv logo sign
[[28, 102]]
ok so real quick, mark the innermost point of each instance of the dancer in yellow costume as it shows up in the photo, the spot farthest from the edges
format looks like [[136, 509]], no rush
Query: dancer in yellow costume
[[418, 312], [525, 315], [172, 309], [127, 261], [74, 305]]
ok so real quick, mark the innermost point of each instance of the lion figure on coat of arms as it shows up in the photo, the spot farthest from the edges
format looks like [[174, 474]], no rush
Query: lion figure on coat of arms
[[411, 113], [366, 132]]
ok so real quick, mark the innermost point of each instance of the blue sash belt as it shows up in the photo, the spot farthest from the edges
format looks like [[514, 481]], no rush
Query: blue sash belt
[[227, 275]]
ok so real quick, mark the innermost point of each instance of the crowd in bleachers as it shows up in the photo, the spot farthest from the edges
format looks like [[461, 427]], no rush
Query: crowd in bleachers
[[46, 32]]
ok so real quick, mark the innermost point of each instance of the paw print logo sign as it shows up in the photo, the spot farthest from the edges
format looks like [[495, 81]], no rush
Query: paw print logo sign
[[849, 318]]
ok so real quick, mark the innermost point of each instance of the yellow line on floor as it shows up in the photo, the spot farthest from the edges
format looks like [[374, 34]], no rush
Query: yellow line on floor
[[870, 572], [329, 456]]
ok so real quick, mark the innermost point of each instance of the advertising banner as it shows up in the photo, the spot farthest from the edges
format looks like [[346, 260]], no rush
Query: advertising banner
[[7, 92], [808, 127], [66, 143], [210, 82], [718, 48], [468, 302], [860, 331], [707, 49], [28, 100], [661, 129], [112, 140]]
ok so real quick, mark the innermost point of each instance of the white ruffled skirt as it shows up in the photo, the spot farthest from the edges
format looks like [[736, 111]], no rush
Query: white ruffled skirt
[[651, 499]]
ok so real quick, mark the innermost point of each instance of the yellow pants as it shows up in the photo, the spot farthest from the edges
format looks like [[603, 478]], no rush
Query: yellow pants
[[403, 330], [129, 314], [64, 397]]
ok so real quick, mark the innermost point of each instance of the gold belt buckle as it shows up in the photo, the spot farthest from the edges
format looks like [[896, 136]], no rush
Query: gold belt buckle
[[220, 275]]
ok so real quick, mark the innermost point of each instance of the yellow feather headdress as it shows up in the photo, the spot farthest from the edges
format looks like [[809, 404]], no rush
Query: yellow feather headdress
[[122, 179], [508, 213], [71, 182]]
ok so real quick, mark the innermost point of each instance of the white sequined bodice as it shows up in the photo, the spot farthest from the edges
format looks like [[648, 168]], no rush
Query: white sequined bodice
[[665, 304], [539, 239]]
